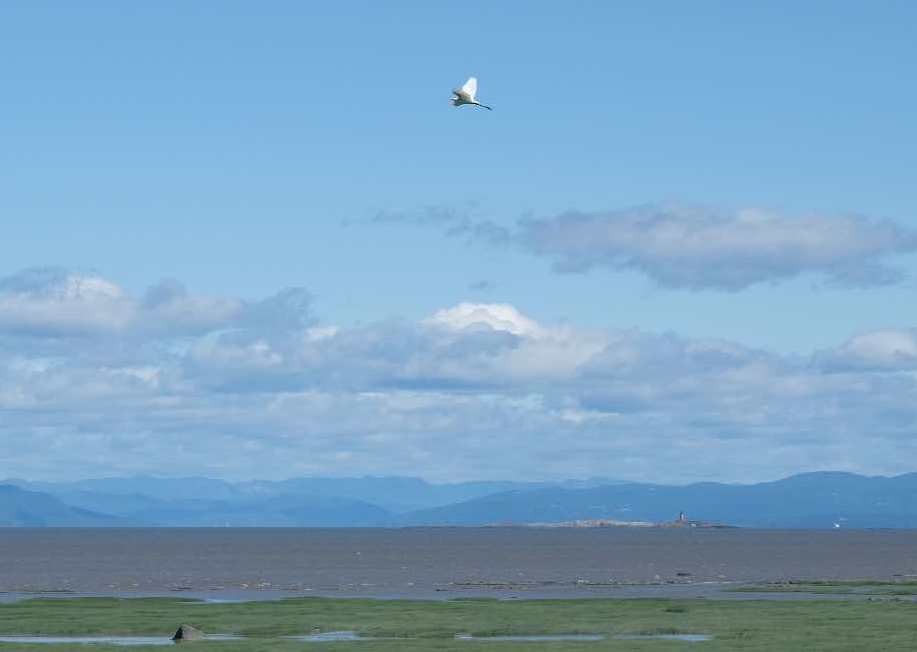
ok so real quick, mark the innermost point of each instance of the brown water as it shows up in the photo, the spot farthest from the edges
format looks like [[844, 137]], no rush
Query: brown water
[[436, 562]]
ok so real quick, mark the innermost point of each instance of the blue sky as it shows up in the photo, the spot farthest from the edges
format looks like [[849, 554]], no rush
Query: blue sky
[[663, 177]]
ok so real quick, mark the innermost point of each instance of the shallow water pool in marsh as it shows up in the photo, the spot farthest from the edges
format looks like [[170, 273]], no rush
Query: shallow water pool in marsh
[[532, 637], [108, 640], [692, 638]]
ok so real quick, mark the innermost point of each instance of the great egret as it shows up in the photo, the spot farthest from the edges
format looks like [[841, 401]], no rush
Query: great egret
[[465, 94]]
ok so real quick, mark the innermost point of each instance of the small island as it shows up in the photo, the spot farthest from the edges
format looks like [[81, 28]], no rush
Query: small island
[[681, 522]]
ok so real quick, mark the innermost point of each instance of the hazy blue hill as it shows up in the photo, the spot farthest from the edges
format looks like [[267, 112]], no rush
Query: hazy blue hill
[[21, 508], [124, 505], [140, 485], [808, 500], [396, 494], [240, 511], [393, 493], [276, 511]]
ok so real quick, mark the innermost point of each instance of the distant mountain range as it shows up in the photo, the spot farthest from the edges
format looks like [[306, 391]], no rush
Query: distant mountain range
[[394, 494], [811, 500], [21, 508]]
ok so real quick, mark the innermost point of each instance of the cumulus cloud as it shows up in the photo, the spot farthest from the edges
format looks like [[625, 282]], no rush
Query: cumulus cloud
[[168, 306], [51, 301], [58, 302], [289, 309], [494, 316], [878, 350], [698, 248], [694, 248], [474, 390]]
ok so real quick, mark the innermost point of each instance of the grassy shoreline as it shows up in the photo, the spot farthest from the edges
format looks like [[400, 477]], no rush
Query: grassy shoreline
[[735, 625], [834, 587]]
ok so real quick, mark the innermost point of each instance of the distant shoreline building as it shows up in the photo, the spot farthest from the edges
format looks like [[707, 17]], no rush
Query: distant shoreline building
[[681, 522]]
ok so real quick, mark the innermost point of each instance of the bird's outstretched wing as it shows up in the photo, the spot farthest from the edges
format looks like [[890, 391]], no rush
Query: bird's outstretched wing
[[470, 88]]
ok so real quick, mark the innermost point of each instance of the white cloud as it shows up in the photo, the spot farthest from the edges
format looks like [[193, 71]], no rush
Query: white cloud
[[56, 302], [496, 316], [61, 303], [261, 388], [878, 350]]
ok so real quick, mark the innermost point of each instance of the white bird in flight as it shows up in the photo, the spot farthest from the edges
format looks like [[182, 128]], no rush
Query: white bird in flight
[[465, 94]]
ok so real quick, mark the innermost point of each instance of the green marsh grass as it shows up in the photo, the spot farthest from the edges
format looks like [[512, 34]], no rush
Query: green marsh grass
[[809, 625]]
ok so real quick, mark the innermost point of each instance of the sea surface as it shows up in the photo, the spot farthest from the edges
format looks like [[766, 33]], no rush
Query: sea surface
[[256, 563]]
